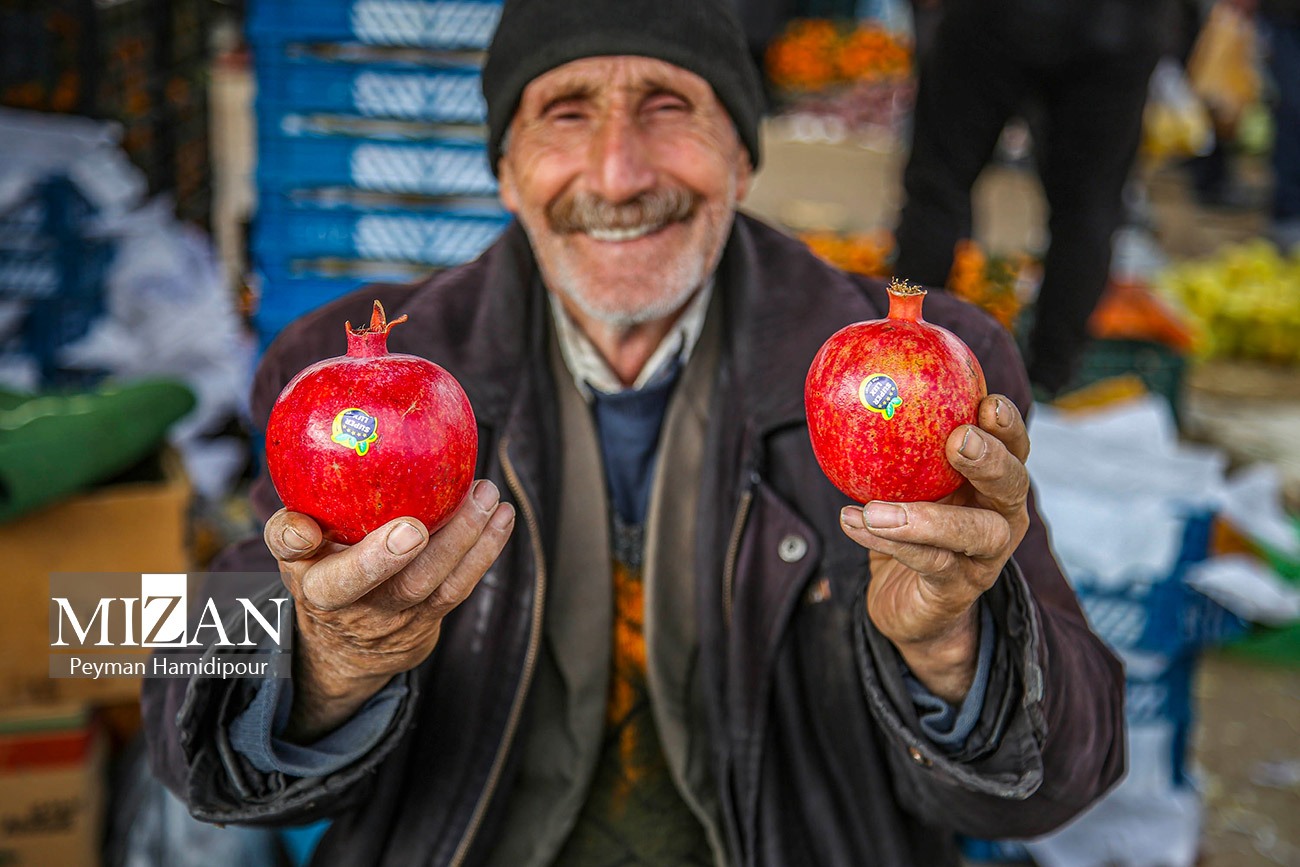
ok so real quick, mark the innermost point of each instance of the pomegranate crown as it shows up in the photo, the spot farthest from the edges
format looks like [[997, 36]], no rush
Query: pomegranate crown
[[368, 341], [378, 323], [899, 286]]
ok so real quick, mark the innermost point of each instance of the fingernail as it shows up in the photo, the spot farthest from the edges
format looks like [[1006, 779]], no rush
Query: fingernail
[[504, 517], [294, 541], [851, 516], [403, 539], [973, 446], [998, 416], [885, 516], [486, 494]]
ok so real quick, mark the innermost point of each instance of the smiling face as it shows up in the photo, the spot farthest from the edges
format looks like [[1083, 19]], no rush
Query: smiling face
[[625, 173]]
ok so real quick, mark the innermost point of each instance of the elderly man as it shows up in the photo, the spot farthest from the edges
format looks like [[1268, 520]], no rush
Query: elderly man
[[654, 633]]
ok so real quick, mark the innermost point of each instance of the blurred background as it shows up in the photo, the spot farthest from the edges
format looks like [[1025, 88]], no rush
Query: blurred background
[[178, 180]]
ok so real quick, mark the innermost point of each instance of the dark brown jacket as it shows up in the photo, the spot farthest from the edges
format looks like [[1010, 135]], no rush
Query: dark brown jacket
[[817, 751]]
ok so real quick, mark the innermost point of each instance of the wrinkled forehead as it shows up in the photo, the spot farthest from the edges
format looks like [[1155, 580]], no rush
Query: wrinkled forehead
[[630, 73]]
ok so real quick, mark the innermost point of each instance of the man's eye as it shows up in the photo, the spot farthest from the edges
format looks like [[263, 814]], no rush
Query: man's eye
[[666, 105], [564, 113]]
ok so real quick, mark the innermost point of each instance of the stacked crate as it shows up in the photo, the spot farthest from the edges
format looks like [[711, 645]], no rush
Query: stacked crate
[[1158, 629], [140, 63], [51, 282], [372, 161]]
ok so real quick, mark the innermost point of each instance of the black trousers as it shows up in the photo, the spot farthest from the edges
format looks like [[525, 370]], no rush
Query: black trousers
[[1084, 71]]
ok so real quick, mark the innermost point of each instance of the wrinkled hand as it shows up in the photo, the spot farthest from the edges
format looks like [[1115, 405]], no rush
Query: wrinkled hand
[[930, 562], [374, 609]]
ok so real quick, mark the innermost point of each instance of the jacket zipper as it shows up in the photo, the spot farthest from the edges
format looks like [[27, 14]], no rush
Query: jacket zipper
[[530, 659], [733, 551]]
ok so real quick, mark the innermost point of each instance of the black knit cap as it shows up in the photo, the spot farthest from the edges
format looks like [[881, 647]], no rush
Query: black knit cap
[[703, 36]]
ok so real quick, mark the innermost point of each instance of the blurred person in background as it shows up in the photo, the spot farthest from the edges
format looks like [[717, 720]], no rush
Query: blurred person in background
[[1280, 27], [1215, 182], [689, 650], [1215, 178], [1083, 69]]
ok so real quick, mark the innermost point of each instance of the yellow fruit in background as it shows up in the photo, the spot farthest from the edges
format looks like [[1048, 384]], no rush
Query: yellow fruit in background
[[1245, 300]]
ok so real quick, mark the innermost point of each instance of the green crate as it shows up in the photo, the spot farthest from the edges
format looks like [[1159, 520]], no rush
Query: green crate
[[1160, 368]]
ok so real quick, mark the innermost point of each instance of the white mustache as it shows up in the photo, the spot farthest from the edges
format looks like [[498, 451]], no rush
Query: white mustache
[[607, 221]]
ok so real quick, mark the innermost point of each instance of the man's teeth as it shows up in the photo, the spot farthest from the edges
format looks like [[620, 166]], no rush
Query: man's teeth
[[621, 234]]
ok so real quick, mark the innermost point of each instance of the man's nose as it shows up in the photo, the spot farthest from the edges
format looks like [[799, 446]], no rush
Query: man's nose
[[620, 160]]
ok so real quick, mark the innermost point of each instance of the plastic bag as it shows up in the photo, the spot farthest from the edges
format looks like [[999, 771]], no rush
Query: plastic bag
[[1175, 122], [1223, 67]]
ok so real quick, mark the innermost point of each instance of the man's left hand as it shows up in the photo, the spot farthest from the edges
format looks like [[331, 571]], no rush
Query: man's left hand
[[930, 562]]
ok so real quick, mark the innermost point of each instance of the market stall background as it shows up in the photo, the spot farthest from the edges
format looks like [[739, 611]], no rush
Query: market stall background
[[181, 179]]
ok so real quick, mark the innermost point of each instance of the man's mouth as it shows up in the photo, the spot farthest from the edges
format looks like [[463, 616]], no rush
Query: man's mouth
[[630, 233]]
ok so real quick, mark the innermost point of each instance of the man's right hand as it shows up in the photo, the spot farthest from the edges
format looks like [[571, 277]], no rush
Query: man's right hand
[[374, 609]]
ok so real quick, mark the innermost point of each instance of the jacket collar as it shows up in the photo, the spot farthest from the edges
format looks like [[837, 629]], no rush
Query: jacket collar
[[781, 304]]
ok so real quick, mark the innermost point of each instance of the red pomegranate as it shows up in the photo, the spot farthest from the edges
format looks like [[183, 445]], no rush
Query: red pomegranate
[[357, 440], [883, 396]]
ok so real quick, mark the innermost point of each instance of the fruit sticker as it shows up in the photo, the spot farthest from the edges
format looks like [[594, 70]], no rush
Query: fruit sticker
[[355, 429], [879, 393]]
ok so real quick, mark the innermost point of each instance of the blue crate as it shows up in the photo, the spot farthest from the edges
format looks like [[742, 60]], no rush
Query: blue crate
[[428, 236], [278, 268], [68, 271], [1164, 616], [64, 291], [1158, 628], [436, 92], [1158, 691], [1167, 617], [303, 159], [22, 228], [284, 298], [53, 323], [29, 274], [438, 24], [54, 213], [290, 288]]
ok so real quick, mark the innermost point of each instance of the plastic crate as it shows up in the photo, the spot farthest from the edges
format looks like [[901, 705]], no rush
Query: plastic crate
[[1167, 617], [29, 275], [53, 323], [1158, 628], [429, 236], [1157, 692], [1163, 616], [439, 24], [1160, 368], [289, 288], [284, 298], [69, 271], [23, 228], [1158, 689], [63, 291], [437, 91], [430, 167], [54, 212]]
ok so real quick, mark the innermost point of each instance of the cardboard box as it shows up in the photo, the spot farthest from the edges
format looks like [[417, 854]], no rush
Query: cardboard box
[[127, 528], [52, 788]]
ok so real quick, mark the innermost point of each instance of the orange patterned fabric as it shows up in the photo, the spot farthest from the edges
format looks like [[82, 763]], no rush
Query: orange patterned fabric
[[634, 814]]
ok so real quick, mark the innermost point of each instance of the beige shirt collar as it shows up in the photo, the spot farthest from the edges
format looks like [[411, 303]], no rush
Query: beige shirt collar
[[589, 368]]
